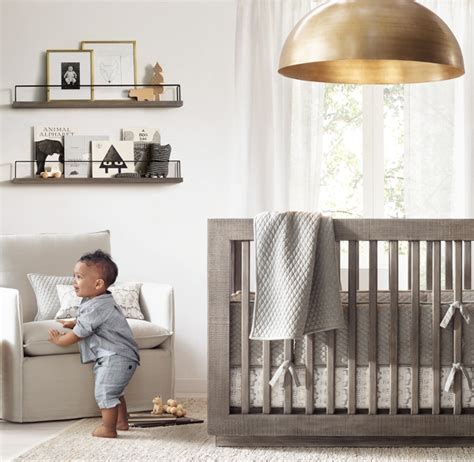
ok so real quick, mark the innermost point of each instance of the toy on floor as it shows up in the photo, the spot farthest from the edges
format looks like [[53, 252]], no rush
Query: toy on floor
[[171, 407], [157, 405], [174, 408]]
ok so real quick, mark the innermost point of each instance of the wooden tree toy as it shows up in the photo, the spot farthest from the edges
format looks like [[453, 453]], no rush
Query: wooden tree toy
[[157, 79]]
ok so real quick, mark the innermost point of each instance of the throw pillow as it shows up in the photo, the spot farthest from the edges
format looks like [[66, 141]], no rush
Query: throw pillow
[[126, 295], [47, 299], [69, 302]]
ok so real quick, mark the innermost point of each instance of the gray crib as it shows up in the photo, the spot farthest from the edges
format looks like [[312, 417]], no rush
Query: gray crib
[[377, 383]]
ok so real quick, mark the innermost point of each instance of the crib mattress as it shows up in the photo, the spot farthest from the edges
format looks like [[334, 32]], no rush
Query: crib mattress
[[341, 387], [362, 335]]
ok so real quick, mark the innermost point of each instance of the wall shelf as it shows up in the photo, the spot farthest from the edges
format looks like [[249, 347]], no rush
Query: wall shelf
[[26, 103], [94, 104], [70, 181]]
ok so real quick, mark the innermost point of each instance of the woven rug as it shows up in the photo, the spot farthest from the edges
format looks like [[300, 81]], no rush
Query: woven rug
[[191, 442]]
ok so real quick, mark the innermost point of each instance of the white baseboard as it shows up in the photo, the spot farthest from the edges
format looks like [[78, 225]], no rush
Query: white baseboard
[[191, 386]]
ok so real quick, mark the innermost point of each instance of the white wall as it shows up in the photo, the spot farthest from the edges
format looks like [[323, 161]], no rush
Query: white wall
[[158, 231]]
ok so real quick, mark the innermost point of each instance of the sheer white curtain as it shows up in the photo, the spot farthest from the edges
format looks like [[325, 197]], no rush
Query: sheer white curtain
[[439, 121], [279, 122]]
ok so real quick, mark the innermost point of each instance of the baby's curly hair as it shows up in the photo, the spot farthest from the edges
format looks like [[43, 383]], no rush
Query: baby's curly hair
[[103, 261]]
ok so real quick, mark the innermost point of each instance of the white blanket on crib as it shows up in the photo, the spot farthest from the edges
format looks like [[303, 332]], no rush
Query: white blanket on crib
[[298, 288]]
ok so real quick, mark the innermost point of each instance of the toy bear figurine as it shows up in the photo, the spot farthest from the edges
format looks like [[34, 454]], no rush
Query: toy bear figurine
[[157, 405]]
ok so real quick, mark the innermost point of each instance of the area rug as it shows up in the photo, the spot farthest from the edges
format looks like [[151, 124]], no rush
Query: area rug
[[191, 442]]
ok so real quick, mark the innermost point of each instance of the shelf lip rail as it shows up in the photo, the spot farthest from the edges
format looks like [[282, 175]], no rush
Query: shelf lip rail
[[174, 162], [177, 86]]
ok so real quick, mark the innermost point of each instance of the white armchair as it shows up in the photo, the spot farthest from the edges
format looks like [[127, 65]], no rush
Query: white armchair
[[40, 383]]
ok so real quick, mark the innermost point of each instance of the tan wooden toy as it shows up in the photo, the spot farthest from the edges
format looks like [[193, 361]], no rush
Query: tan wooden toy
[[51, 172], [174, 408], [157, 79], [142, 94], [157, 406]]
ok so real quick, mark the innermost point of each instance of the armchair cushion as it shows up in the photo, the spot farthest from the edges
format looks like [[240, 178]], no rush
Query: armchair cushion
[[35, 337]]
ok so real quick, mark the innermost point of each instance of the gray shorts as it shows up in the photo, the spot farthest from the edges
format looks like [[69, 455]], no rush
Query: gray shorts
[[112, 374]]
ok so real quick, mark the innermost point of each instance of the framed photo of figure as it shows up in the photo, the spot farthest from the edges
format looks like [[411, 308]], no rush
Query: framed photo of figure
[[71, 72], [114, 65]]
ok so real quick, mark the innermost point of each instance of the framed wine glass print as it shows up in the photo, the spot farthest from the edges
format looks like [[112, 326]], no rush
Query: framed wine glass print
[[69, 75], [115, 65]]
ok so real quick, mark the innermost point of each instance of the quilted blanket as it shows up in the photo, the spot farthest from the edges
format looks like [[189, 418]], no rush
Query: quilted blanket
[[298, 288]]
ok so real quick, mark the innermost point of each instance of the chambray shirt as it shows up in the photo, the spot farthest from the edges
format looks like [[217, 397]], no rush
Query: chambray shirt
[[104, 330]]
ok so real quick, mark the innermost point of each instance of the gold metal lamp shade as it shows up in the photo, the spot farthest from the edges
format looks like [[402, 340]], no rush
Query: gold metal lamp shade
[[371, 41]]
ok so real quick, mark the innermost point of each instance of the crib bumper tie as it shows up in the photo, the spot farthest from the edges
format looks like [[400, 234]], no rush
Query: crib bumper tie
[[457, 367], [286, 366], [450, 313]]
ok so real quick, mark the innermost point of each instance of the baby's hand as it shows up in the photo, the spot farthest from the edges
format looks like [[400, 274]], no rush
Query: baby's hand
[[54, 336], [69, 323]]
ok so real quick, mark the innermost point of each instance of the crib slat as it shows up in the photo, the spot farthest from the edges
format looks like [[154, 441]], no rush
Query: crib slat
[[352, 328], [436, 308], [429, 265], [458, 327], [245, 388], [409, 265], [288, 353], [338, 257], [331, 353], [372, 327], [236, 265], [415, 326], [309, 365], [448, 265], [266, 376], [393, 282], [467, 265]]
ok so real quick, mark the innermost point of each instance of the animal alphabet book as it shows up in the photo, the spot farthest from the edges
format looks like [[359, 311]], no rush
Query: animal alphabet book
[[49, 146]]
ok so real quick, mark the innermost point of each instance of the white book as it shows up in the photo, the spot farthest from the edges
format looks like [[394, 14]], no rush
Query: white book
[[49, 146], [110, 158], [78, 148], [143, 135]]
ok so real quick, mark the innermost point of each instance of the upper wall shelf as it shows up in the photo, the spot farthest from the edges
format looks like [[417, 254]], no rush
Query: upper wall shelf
[[83, 104]]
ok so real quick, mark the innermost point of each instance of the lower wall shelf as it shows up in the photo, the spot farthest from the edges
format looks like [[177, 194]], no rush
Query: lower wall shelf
[[57, 181]]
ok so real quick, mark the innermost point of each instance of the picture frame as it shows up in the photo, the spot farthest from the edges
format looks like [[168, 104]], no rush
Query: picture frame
[[70, 70], [114, 64]]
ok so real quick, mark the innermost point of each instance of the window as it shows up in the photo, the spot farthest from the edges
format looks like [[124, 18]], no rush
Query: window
[[363, 143]]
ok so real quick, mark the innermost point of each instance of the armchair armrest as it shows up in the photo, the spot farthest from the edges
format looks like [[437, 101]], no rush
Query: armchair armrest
[[11, 332], [157, 303]]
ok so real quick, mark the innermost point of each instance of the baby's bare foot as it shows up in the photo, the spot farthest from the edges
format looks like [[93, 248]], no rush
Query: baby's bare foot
[[123, 426], [104, 432]]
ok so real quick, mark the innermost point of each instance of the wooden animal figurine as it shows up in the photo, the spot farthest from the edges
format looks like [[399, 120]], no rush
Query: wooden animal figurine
[[142, 94], [157, 405]]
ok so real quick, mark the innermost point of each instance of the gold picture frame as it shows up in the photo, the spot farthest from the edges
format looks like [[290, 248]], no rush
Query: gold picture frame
[[73, 71], [115, 63]]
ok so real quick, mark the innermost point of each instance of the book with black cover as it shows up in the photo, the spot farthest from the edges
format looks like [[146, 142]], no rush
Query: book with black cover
[[164, 422]]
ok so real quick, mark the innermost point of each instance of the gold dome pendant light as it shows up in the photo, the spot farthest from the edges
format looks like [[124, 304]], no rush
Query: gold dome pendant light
[[371, 41]]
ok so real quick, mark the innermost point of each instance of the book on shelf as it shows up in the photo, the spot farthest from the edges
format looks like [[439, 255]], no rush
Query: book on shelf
[[111, 158], [141, 134], [135, 416], [78, 148], [48, 144]]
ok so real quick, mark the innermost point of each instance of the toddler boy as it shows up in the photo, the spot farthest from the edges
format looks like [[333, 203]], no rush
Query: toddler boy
[[104, 337]]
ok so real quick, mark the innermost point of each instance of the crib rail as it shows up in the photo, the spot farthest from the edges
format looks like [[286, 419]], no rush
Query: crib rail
[[443, 241]]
